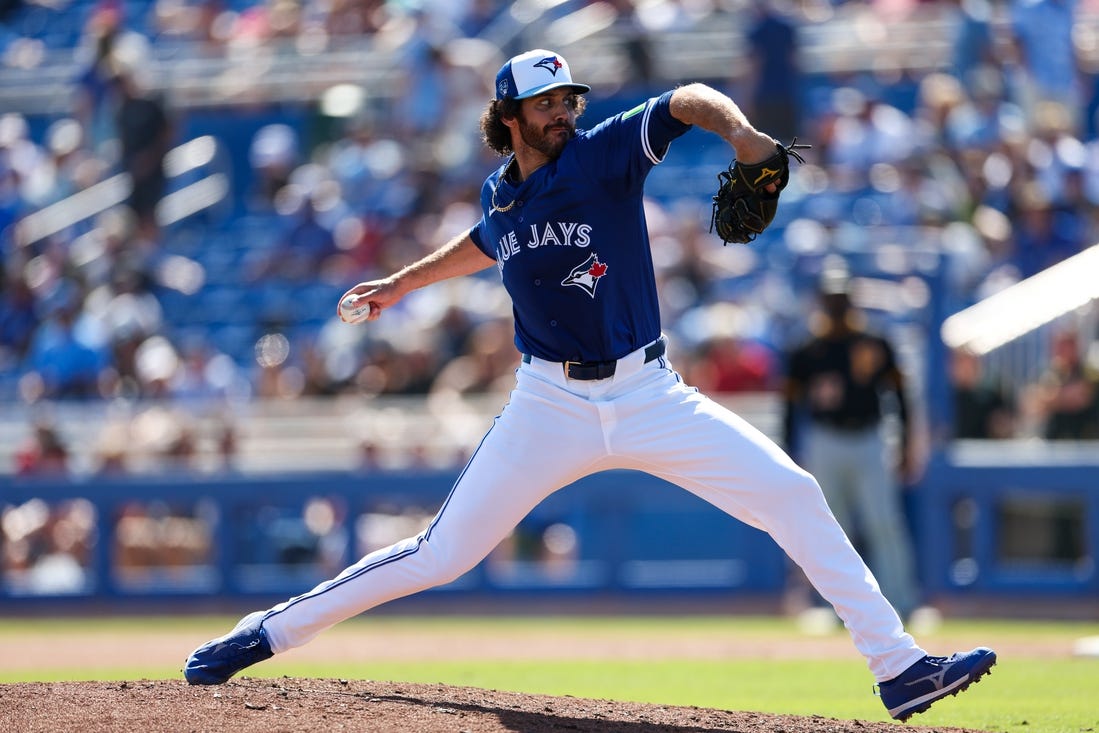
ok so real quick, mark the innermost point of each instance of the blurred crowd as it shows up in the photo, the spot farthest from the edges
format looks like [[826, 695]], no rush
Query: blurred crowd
[[990, 162]]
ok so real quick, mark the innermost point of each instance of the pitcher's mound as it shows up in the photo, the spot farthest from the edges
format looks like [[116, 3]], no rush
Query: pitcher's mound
[[250, 705]]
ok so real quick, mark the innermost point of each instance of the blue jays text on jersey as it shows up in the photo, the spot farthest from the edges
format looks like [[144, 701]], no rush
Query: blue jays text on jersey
[[560, 233], [571, 241]]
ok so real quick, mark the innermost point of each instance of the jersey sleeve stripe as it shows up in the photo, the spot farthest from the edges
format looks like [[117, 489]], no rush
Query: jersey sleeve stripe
[[645, 143]]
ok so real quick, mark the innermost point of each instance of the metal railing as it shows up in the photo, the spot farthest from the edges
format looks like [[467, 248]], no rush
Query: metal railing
[[187, 200], [1013, 331]]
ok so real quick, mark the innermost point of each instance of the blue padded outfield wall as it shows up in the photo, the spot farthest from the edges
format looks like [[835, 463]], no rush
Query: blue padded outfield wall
[[1008, 525], [617, 532], [980, 529]]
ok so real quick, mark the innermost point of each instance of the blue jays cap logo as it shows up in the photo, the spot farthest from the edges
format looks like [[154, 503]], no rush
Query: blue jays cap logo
[[550, 64], [586, 275], [524, 76]]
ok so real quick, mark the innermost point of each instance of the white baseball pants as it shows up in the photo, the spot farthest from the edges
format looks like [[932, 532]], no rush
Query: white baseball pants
[[554, 431]]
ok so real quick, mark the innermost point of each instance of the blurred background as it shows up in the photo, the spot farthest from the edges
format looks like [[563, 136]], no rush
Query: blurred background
[[187, 186]]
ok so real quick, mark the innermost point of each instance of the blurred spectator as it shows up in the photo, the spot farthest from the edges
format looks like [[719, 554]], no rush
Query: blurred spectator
[[427, 92], [273, 156], [111, 452], [728, 363], [357, 17], [61, 363], [45, 548], [130, 319], [976, 120], [95, 100], [156, 543], [163, 439], [1066, 397], [18, 319], [203, 374], [11, 197], [44, 453], [539, 551], [385, 522], [456, 328], [64, 168], [774, 76], [479, 16], [981, 409], [636, 41], [197, 20], [407, 368], [1041, 237], [973, 38], [488, 366], [283, 18], [304, 247], [868, 131], [1042, 34], [145, 135], [310, 537]]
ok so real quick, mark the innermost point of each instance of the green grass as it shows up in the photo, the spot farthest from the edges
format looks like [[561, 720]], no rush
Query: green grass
[[1025, 696], [1029, 691], [1035, 698]]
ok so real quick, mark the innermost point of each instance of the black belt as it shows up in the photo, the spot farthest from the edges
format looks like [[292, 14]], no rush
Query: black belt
[[589, 370]]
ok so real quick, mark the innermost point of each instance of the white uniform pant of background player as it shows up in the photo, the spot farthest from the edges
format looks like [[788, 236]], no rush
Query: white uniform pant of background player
[[853, 470], [554, 431]]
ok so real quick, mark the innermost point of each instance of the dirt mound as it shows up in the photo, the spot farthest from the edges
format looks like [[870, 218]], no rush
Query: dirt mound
[[312, 705]]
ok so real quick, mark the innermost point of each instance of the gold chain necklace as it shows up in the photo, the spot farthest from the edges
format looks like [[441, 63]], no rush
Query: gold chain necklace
[[509, 207], [501, 209]]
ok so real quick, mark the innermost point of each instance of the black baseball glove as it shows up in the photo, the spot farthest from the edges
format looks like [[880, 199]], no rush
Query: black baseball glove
[[743, 207]]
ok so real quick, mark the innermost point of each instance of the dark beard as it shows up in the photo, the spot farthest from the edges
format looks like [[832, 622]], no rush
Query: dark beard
[[545, 141]]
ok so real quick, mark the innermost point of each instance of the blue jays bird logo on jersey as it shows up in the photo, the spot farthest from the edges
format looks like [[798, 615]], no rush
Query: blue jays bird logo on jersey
[[586, 275], [550, 64]]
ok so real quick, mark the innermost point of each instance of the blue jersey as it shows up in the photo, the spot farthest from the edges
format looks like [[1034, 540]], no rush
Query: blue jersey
[[573, 250]]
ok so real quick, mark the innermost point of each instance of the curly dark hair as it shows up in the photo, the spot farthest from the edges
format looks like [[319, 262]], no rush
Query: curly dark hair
[[496, 135]]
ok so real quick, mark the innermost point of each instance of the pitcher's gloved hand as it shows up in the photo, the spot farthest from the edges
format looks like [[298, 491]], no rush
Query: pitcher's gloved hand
[[747, 195]]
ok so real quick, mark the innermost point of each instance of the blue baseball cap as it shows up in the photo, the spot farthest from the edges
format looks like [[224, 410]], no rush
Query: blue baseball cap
[[533, 73]]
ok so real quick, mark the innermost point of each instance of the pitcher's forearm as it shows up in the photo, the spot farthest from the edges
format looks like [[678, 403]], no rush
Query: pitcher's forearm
[[458, 257], [703, 106]]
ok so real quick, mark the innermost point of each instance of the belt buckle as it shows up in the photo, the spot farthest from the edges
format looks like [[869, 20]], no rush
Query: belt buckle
[[567, 366]]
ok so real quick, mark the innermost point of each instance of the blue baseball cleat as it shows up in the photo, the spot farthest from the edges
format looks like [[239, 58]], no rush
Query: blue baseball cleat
[[216, 661], [932, 678]]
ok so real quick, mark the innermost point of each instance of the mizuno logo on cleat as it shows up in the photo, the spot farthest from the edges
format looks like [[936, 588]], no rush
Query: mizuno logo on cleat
[[938, 679]]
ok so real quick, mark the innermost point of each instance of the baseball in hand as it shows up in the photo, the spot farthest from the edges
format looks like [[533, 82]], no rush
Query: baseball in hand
[[352, 311]]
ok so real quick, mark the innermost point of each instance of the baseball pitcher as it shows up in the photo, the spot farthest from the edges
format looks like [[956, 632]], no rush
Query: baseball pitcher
[[563, 222]]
